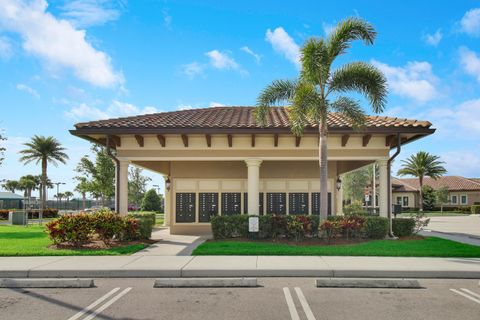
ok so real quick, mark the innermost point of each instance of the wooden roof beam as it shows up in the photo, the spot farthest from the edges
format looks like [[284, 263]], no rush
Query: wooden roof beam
[[297, 141], [208, 138], [366, 139], [230, 140], [275, 140], [185, 140], [253, 141], [161, 139], [345, 138], [389, 140], [139, 139]]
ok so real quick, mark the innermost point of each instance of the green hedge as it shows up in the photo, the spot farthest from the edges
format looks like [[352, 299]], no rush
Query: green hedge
[[376, 227], [475, 209], [403, 227], [146, 222]]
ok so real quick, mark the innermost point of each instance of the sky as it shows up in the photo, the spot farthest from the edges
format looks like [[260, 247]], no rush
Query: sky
[[63, 62]]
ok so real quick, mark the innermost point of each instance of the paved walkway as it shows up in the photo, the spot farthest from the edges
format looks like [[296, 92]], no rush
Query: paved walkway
[[237, 266], [171, 245], [465, 229]]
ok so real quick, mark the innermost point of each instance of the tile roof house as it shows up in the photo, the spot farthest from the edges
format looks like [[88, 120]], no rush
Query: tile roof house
[[462, 191], [220, 161]]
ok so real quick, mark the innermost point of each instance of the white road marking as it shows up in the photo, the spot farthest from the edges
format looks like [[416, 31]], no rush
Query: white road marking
[[291, 304], [93, 305], [107, 304], [465, 295], [305, 306], [471, 292]]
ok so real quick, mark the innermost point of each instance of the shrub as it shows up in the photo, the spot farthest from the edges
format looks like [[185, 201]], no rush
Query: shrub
[[107, 225], [75, 229], [330, 228], [279, 225], [146, 221], [352, 225], [475, 209], [375, 227], [355, 208], [465, 209], [130, 230], [403, 227], [151, 201], [299, 226]]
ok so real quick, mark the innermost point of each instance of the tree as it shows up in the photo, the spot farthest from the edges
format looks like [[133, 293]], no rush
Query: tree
[[137, 185], [43, 150], [2, 148], [28, 183], [11, 185], [441, 196], [82, 187], [428, 198], [100, 174], [421, 165], [354, 184], [151, 201], [68, 195], [319, 89]]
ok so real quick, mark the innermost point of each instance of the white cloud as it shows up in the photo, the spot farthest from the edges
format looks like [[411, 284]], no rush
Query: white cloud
[[284, 44], [167, 18], [249, 51], [184, 107], [192, 69], [415, 80], [115, 110], [214, 104], [470, 62], [221, 60], [327, 28], [57, 42], [462, 163], [470, 22], [5, 48], [86, 13], [433, 39], [27, 89]]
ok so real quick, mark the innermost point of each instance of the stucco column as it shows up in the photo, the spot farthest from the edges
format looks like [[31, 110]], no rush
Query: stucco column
[[122, 193], [384, 188], [166, 205], [253, 166]]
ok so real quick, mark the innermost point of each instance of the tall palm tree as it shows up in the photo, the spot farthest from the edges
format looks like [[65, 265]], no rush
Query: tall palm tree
[[82, 187], [43, 150], [28, 183], [68, 195], [421, 165], [318, 90]]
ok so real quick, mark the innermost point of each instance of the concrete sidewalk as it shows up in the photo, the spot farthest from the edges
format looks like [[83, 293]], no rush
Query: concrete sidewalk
[[237, 266]]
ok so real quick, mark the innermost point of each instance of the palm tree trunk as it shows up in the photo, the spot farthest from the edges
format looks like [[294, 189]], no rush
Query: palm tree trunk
[[44, 188], [420, 180], [323, 161]]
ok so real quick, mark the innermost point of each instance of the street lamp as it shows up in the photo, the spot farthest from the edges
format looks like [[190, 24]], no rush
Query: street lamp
[[156, 186]]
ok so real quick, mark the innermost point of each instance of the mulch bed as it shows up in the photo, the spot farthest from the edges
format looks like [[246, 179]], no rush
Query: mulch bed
[[98, 245], [314, 241]]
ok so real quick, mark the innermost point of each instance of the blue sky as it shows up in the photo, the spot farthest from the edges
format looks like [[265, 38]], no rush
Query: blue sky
[[63, 62]]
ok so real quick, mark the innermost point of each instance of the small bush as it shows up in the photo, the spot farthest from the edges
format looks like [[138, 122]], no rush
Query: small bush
[[475, 209], [130, 230], [75, 229], [146, 222], [375, 227], [330, 228], [355, 208], [403, 227], [107, 225]]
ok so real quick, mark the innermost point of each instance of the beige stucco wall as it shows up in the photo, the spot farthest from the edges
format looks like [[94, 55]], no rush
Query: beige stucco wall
[[412, 199], [472, 198]]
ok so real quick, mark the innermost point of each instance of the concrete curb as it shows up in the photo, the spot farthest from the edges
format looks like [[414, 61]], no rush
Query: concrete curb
[[204, 282], [46, 283], [367, 283]]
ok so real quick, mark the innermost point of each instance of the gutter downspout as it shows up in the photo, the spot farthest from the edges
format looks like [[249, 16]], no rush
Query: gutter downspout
[[117, 174], [389, 201]]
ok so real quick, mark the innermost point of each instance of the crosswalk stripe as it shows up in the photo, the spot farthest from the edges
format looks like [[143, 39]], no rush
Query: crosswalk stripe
[[465, 295]]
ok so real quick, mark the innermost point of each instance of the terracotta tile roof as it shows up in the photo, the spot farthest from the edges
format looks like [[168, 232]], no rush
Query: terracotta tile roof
[[453, 183], [235, 117]]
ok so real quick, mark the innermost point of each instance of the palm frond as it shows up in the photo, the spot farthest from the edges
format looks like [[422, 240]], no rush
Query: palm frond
[[351, 110], [278, 91], [422, 164], [315, 61], [347, 31], [300, 112], [364, 78]]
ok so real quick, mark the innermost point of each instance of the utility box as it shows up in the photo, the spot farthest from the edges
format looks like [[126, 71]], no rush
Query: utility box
[[19, 218]]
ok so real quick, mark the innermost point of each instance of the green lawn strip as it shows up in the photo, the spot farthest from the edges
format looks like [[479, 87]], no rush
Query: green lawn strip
[[427, 247], [434, 214], [33, 241]]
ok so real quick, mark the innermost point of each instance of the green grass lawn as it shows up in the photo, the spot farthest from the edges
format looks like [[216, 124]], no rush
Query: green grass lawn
[[33, 241], [426, 247]]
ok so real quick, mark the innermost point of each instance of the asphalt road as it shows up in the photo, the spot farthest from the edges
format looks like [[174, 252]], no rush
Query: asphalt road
[[276, 298]]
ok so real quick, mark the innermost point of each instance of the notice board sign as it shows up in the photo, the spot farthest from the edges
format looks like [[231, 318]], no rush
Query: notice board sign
[[253, 224]]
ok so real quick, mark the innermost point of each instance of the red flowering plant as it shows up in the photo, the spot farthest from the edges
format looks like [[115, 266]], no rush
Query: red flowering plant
[[330, 228]]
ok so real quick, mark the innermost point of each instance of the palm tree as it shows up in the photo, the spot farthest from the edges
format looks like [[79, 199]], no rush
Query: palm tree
[[28, 183], [421, 165], [318, 90], [82, 187], [11, 185], [68, 195], [43, 150]]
